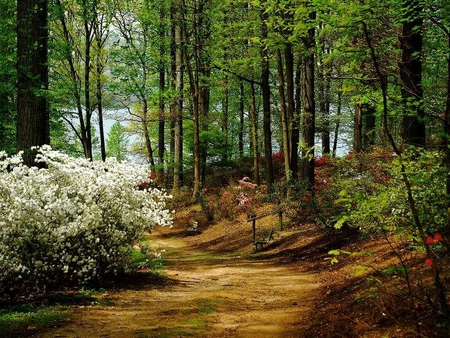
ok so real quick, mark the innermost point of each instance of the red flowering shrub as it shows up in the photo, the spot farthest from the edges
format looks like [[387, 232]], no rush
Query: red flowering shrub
[[278, 157]]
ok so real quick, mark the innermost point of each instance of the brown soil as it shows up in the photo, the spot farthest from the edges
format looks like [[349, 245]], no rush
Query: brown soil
[[215, 285]]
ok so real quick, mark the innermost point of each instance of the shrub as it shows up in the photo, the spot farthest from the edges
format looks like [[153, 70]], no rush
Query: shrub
[[73, 222]]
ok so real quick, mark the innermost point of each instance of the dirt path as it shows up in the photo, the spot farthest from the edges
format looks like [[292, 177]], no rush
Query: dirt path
[[205, 295]]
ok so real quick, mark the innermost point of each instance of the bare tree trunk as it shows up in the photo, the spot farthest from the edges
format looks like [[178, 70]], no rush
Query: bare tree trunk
[[225, 112], [88, 31], [100, 116], [338, 115], [309, 111], [254, 124], [284, 116], [148, 143], [357, 128], [290, 99], [100, 37], [84, 117], [265, 87], [411, 74], [32, 71], [241, 120], [177, 107], [161, 102], [295, 123], [161, 125]]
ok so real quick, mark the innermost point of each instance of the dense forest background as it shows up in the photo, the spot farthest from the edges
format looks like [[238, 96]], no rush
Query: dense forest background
[[335, 113], [211, 82]]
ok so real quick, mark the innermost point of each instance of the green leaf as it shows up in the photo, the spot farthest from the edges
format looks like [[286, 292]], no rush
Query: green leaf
[[334, 252], [340, 222]]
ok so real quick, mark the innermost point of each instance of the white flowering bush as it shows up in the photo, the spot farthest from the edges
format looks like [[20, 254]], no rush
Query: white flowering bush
[[74, 221]]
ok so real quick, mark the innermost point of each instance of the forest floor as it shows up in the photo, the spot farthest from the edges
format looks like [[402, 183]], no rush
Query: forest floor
[[215, 285]]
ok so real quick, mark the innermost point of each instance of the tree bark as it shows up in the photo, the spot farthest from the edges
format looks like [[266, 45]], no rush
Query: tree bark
[[254, 129], [265, 87], [309, 111], [411, 74], [177, 105], [100, 37], [225, 118], [32, 71], [284, 116], [161, 101], [295, 121], [241, 119], [369, 131], [88, 31], [338, 115], [357, 128], [291, 106]]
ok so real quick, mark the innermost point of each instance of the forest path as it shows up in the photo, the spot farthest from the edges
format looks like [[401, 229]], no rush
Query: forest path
[[204, 294]]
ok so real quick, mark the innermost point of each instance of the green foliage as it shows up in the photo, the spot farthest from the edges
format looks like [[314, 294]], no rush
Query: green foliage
[[370, 194], [8, 77], [117, 142], [373, 196], [62, 139]]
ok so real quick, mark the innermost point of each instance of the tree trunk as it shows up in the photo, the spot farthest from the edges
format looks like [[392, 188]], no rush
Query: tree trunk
[[145, 131], [241, 120], [254, 124], [75, 78], [265, 87], [338, 116], [295, 121], [88, 31], [99, 91], [225, 112], [308, 112], [32, 71], [101, 35], [161, 125], [291, 107], [161, 101], [177, 106], [357, 128], [284, 116], [411, 74], [369, 131]]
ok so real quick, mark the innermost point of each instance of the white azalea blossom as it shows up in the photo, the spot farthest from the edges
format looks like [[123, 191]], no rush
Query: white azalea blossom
[[73, 221]]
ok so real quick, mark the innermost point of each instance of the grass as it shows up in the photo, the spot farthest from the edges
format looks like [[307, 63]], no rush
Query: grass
[[20, 318]]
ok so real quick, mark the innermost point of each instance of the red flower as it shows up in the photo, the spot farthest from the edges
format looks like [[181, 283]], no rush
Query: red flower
[[438, 238], [430, 240], [428, 261]]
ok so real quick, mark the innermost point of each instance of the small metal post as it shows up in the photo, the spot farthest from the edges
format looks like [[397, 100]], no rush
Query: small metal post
[[280, 218], [254, 229]]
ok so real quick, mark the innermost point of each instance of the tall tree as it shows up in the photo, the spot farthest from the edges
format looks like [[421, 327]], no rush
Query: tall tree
[[102, 20], [308, 101], [197, 60], [73, 65], [265, 89], [117, 142], [138, 63], [411, 73], [32, 70], [177, 85]]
